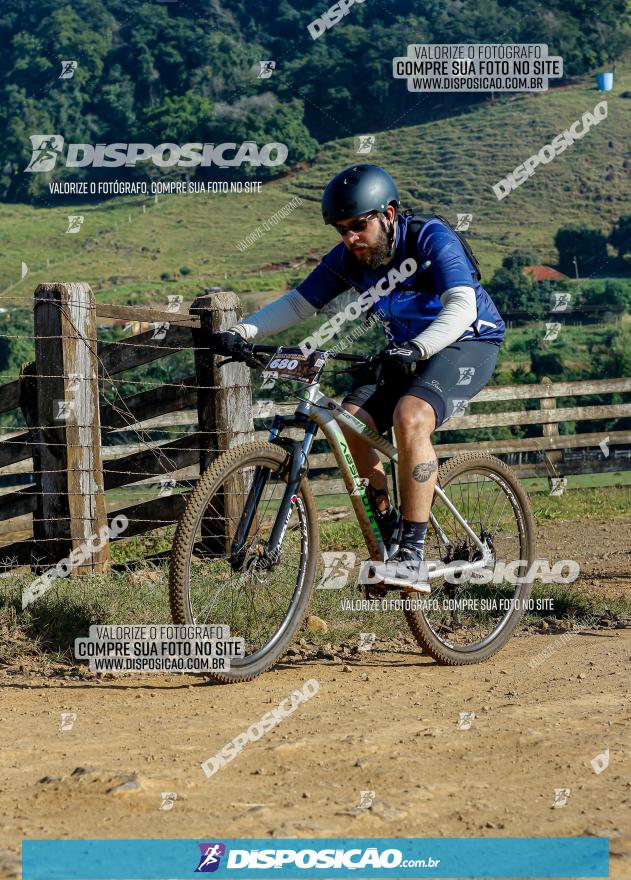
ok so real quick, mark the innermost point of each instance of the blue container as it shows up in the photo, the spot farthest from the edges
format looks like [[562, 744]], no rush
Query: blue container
[[604, 82]]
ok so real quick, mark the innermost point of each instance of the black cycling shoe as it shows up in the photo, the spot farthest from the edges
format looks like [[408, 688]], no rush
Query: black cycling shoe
[[405, 570]]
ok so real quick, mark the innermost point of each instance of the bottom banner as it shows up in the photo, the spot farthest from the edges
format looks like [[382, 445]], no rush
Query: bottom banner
[[395, 857]]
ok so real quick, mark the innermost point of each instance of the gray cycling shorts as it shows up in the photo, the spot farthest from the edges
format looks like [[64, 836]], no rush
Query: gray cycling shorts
[[447, 381]]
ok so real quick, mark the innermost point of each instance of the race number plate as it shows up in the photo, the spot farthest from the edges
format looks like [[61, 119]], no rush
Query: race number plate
[[290, 363]]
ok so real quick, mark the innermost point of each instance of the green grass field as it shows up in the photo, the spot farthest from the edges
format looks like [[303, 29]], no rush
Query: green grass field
[[448, 165], [47, 629]]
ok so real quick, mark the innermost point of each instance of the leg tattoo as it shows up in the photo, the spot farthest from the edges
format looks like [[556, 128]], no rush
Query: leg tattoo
[[423, 471]]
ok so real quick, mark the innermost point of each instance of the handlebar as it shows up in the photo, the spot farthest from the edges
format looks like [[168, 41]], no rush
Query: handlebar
[[350, 358], [248, 355]]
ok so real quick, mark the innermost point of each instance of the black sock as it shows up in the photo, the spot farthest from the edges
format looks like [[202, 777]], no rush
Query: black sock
[[413, 535]]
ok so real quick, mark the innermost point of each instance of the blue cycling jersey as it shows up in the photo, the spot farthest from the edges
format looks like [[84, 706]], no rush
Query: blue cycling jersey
[[414, 303]]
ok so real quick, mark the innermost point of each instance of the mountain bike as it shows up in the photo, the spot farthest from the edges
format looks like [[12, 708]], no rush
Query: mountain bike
[[246, 547]]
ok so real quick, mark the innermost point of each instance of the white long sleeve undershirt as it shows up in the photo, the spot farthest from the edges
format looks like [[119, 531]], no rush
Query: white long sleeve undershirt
[[288, 310], [458, 313]]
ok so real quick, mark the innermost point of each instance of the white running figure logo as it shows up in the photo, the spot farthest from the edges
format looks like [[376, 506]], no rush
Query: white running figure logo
[[211, 856]]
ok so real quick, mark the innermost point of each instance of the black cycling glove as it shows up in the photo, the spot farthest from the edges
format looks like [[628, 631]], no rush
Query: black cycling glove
[[232, 344], [398, 362], [227, 342]]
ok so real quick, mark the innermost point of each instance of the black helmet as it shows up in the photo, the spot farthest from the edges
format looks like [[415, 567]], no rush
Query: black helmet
[[357, 190]]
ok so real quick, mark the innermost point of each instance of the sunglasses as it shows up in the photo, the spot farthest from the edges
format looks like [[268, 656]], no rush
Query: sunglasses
[[358, 226]]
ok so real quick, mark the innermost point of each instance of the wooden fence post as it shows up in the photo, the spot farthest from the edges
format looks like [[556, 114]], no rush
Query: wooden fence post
[[550, 429], [72, 502], [224, 408], [224, 395]]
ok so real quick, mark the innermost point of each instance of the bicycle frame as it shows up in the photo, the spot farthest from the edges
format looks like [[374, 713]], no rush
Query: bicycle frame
[[314, 411]]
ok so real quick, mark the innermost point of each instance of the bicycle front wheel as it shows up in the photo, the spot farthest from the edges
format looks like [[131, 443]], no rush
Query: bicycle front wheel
[[260, 600], [467, 620]]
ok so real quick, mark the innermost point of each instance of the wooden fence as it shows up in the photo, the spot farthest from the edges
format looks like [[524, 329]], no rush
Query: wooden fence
[[86, 445]]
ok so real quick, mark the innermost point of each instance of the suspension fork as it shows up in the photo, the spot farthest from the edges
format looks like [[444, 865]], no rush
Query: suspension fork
[[261, 475], [297, 470]]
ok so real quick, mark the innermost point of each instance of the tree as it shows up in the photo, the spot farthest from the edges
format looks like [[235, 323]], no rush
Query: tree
[[520, 258], [181, 119], [620, 237], [612, 294], [512, 290], [546, 363], [587, 245]]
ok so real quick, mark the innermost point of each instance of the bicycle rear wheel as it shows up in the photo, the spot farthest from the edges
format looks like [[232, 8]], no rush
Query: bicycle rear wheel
[[468, 621], [261, 601]]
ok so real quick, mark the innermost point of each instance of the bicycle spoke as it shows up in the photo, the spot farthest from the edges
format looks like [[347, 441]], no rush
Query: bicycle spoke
[[254, 600], [475, 496]]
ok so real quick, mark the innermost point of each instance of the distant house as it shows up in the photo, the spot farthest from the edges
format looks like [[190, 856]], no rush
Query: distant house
[[544, 273]]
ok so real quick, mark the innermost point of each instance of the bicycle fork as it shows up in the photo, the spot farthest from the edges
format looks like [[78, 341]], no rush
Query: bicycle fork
[[297, 470]]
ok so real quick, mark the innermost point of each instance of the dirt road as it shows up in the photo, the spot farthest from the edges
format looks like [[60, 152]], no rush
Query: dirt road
[[388, 724]]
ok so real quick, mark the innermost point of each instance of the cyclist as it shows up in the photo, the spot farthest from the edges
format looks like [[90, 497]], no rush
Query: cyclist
[[443, 331]]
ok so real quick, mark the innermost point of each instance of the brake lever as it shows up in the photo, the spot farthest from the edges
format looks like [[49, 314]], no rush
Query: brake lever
[[251, 361]]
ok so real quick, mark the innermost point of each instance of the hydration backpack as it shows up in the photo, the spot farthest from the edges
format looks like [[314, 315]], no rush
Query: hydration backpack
[[415, 224]]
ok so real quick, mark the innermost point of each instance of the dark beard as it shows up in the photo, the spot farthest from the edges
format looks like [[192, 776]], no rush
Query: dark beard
[[377, 254]]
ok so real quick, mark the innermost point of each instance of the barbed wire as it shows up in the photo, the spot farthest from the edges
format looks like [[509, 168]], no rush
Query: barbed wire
[[143, 481]]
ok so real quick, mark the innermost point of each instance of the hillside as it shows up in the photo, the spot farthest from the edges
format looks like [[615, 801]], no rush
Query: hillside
[[448, 165]]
